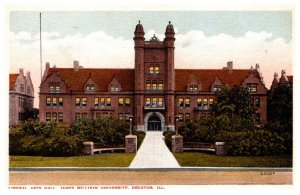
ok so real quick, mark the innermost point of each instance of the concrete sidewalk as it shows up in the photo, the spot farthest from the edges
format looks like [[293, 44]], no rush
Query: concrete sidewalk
[[154, 153]]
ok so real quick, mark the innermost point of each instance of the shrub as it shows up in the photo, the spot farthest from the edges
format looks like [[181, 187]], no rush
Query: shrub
[[257, 142]]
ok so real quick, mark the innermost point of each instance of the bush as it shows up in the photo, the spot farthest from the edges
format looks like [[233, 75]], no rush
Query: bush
[[257, 142], [140, 137], [33, 138]]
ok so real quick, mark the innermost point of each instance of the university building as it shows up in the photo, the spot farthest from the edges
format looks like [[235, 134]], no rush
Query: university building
[[154, 92], [20, 96]]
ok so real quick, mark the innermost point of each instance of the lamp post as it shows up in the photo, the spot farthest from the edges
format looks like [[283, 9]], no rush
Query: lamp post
[[130, 120], [176, 124]]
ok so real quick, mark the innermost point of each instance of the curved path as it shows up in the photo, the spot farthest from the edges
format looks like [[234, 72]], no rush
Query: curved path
[[154, 153]]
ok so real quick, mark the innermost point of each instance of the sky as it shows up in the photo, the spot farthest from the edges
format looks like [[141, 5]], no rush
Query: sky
[[103, 39]]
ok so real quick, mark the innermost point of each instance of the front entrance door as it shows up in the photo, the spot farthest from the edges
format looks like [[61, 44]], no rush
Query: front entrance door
[[154, 123]]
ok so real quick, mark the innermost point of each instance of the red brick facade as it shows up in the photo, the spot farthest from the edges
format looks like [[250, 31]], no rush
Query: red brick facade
[[153, 92]]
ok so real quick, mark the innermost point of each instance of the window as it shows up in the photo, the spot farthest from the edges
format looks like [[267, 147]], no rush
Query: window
[[84, 115], [148, 102], [252, 87], [154, 102], [96, 101], [48, 116], [77, 116], [102, 101], [98, 115], [108, 101], [22, 88], [54, 88], [217, 87], [205, 102], [148, 85], [121, 101], [127, 101], [180, 119], [257, 118], [84, 102], [90, 87], [156, 70], [193, 88], [54, 101], [127, 116], [114, 87], [257, 102], [120, 116], [54, 116], [60, 102], [60, 117], [151, 69], [28, 90], [160, 102], [211, 102], [199, 102], [187, 117], [160, 85], [154, 85], [48, 102], [77, 102], [187, 102], [180, 102]]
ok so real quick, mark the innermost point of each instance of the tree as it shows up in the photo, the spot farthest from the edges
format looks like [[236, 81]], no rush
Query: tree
[[280, 109], [233, 109]]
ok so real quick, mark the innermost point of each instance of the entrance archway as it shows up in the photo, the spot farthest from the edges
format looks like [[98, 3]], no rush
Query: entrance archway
[[154, 123]]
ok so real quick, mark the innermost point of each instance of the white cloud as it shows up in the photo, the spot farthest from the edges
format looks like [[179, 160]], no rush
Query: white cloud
[[192, 50]]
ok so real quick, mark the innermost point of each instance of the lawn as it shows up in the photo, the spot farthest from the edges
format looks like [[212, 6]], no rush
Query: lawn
[[195, 159], [100, 160]]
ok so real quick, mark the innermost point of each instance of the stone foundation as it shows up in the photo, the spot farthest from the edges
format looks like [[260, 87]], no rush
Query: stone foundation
[[220, 148]]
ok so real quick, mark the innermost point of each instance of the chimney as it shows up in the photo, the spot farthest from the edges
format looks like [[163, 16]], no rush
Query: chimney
[[28, 74], [229, 65], [47, 65], [283, 73], [76, 65], [21, 71], [276, 75]]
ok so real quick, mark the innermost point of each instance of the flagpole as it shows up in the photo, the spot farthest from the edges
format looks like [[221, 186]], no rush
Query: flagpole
[[41, 62]]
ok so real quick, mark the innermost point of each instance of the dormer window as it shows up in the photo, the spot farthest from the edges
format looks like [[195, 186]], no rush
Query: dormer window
[[252, 87], [54, 88], [217, 88], [115, 87], [193, 88], [90, 87]]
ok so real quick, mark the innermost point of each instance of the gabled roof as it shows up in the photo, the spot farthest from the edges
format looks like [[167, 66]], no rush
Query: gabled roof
[[102, 77], [206, 77], [12, 80]]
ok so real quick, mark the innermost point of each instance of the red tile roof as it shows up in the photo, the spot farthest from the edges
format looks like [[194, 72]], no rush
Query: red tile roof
[[103, 77], [206, 77], [12, 80]]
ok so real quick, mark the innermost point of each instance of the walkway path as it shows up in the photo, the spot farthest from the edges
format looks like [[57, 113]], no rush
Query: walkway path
[[154, 153]]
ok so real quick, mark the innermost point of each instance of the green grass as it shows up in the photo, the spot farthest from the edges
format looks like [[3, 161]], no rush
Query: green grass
[[194, 159], [100, 160]]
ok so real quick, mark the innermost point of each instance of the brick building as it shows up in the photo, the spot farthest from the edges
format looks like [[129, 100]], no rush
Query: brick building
[[20, 96], [153, 92], [283, 80]]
